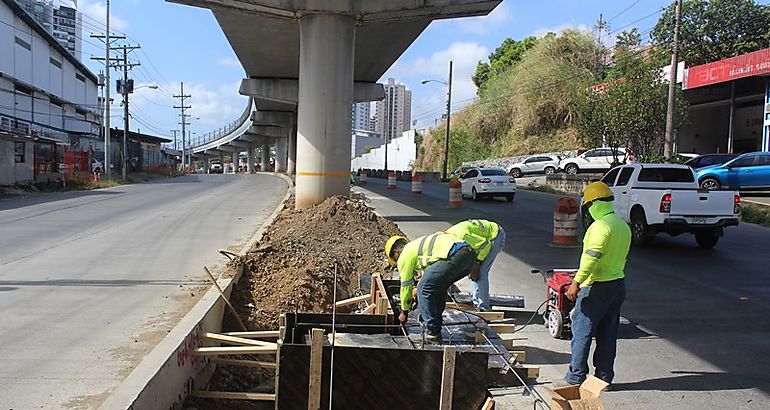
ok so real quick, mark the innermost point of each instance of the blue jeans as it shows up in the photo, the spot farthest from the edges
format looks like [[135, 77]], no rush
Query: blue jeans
[[480, 287], [436, 280], [597, 314]]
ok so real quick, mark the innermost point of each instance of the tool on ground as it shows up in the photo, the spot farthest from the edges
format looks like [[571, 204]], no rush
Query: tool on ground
[[557, 310], [222, 293]]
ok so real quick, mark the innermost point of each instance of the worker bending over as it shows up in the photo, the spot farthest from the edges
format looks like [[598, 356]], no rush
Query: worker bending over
[[487, 238], [443, 261], [599, 288]]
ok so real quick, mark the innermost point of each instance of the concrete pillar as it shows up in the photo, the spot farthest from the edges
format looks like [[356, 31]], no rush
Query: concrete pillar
[[292, 160], [265, 164], [281, 147], [250, 160], [323, 112]]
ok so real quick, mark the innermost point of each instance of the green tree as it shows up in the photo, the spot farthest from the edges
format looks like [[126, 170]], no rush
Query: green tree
[[712, 30], [507, 55], [628, 39]]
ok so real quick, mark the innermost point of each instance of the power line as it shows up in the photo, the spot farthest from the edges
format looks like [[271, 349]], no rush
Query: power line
[[624, 10]]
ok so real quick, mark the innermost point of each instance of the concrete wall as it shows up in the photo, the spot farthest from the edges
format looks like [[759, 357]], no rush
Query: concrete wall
[[573, 184], [12, 172], [401, 155]]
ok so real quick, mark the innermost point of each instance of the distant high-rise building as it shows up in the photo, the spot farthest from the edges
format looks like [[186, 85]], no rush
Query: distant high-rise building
[[362, 113], [64, 23], [393, 114]]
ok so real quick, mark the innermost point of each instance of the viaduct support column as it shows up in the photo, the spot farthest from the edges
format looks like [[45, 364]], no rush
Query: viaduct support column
[[280, 154], [323, 110], [292, 160], [250, 159], [265, 163]]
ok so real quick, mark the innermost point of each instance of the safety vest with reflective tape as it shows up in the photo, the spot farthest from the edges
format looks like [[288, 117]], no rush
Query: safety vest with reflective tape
[[478, 233], [418, 255]]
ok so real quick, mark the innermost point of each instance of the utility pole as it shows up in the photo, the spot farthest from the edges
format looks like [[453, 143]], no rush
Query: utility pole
[[174, 132], [107, 38], [671, 111], [182, 96], [600, 27], [448, 120], [125, 87]]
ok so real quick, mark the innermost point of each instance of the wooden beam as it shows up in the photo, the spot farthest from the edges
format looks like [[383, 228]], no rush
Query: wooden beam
[[233, 395], [234, 340], [243, 363], [465, 307], [507, 340], [521, 355], [369, 310], [489, 404], [491, 315], [503, 327], [373, 292], [352, 301], [229, 305], [528, 371], [214, 351], [316, 364], [261, 334], [448, 378], [382, 306]]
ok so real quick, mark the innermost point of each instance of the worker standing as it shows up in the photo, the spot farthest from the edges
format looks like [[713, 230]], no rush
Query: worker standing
[[487, 238], [443, 261], [599, 287]]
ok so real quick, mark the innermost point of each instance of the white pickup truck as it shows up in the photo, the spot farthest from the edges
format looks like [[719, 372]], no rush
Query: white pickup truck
[[666, 198]]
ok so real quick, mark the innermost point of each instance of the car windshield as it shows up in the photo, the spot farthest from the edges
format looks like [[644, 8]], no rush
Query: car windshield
[[666, 175], [492, 172]]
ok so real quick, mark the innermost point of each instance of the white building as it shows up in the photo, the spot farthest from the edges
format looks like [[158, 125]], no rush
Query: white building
[[362, 113], [47, 96], [393, 114], [402, 153]]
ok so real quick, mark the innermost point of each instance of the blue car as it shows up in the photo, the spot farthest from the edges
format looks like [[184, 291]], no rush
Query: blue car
[[747, 171]]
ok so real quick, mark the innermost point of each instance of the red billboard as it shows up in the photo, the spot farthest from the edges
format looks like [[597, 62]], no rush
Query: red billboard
[[742, 66]]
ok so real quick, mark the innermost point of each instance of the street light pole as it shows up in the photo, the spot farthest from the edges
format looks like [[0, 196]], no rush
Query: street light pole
[[448, 120]]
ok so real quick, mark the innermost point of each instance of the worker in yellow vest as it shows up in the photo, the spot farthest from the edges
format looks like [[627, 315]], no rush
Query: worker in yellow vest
[[443, 261], [487, 238]]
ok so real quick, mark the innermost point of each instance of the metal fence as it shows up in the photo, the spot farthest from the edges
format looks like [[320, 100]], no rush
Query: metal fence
[[221, 132]]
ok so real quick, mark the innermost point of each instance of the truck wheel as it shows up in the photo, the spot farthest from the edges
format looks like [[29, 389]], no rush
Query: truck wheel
[[555, 323], [712, 184], [550, 170], [516, 173], [571, 169], [640, 231], [707, 239]]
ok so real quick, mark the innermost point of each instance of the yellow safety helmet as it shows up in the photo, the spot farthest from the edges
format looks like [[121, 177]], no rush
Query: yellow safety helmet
[[389, 247], [596, 190]]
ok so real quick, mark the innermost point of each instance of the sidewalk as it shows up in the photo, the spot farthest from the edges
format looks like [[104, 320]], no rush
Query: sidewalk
[[526, 248]]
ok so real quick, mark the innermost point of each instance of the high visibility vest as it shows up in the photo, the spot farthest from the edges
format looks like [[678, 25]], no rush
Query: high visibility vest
[[478, 233], [419, 254]]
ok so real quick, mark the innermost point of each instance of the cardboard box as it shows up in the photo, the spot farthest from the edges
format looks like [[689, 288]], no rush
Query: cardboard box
[[583, 397]]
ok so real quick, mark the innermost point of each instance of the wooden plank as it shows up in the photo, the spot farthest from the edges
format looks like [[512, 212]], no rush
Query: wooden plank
[[369, 310], [503, 327], [489, 404], [465, 307], [521, 356], [491, 315], [448, 378], [374, 289], [353, 301], [261, 334], [383, 294], [507, 340], [234, 340], [529, 371], [229, 305], [214, 351], [382, 306], [316, 354], [233, 395], [243, 363]]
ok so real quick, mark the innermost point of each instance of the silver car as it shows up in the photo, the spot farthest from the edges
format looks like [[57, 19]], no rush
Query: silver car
[[536, 164]]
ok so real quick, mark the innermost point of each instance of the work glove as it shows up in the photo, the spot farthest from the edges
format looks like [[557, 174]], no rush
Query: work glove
[[403, 317]]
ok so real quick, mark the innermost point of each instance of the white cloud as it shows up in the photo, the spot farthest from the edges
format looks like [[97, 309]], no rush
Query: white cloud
[[559, 29], [97, 10], [485, 24]]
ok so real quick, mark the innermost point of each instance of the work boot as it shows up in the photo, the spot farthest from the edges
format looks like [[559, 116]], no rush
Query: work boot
[[432, 336]]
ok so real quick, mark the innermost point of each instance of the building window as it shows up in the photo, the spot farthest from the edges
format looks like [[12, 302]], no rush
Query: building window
[[18, 150], [23, 44], [80, 77], [55, 62]]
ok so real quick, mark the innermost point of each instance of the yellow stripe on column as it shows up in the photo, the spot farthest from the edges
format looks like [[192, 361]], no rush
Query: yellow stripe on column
[[323, 174]]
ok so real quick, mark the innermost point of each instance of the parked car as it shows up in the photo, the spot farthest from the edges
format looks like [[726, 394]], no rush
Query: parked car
[[747, 171], [488, 182], [654, 198], [536, 164], [594, 160], [708, 160]]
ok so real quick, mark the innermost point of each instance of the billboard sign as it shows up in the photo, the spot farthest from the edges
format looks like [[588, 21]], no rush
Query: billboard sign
[[742, 66]]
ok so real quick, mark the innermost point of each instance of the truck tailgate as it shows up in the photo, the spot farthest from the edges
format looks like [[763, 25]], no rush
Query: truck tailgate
[[702, 203]]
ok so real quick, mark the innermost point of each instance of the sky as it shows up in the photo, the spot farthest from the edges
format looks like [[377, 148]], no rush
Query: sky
[[183, 43]]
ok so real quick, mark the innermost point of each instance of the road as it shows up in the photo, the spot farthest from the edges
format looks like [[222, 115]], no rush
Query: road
[[696, 323], [91, 281]]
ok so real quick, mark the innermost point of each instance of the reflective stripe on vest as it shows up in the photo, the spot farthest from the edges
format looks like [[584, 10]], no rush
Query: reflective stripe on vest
[[425, 255]]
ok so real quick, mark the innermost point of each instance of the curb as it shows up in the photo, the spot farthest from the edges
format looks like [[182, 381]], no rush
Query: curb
[[167, 375]]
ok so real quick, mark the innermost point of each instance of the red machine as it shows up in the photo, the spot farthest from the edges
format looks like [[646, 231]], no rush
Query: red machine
[[558, 307]]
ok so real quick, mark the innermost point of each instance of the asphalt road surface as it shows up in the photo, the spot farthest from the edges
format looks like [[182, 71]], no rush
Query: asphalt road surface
[[91, 281], [695, 331]]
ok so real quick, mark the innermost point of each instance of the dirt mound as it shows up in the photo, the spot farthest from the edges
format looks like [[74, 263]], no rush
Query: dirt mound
[[292, 268]]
